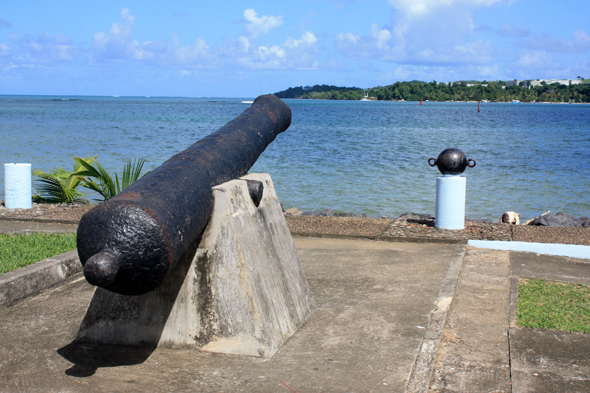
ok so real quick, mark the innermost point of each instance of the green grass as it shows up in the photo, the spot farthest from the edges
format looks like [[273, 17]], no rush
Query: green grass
[[22, 250], [557, 306]]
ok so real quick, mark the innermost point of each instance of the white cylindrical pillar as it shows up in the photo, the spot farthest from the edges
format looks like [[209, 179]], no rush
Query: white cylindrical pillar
[[17, 186], [450, 202]]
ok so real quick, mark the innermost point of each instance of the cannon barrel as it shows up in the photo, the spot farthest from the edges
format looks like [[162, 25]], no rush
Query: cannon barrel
[[129, 244]]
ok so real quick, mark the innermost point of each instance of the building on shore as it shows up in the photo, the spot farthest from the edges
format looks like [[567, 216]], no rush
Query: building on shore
[[539, 82]]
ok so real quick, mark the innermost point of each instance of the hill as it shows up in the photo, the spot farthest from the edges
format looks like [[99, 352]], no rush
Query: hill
[[495, 91], [322, 92]]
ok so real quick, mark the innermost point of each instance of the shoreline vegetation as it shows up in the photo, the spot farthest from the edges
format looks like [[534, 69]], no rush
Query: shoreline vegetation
[[463, 91]]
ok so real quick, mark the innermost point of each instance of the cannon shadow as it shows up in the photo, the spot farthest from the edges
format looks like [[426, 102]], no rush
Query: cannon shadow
[[89, 356]]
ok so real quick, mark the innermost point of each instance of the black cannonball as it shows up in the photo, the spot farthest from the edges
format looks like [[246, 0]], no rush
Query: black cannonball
[[451, 162]]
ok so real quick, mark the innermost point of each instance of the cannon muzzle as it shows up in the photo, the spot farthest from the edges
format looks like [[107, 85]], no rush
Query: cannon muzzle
[[130, 243]]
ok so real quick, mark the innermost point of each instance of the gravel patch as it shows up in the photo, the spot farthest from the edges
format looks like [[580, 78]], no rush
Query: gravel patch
[[337, 226], [62, 212], [409, 226], [560, 235], [473, 230]]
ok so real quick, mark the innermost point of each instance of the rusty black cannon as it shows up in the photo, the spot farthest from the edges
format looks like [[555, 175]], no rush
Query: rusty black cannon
[[128, 244]]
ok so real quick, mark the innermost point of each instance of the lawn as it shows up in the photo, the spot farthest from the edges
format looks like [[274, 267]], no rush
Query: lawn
[[24, 249], [548, 305]]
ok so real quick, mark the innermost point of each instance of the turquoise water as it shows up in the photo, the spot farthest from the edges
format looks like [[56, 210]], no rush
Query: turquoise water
[[360, 157]]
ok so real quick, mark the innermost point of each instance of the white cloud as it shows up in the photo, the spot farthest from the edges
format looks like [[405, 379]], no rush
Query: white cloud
[[426, 73], [348, 37], [580, 43], [488, 70], [245, 43], [197, 55], [4, 49], [582, 66], [399, 73], [268, 57], [119, 43], [378, 44], [308, 38], [296, 53], [46, 49], [258, 25], [421, 8], [381, 37], [293, 53], [508, 30], [428, 32], [538, 60]]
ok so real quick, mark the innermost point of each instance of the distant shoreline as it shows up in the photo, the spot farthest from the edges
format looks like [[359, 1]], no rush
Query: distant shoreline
[[462, 91], [465, 102]]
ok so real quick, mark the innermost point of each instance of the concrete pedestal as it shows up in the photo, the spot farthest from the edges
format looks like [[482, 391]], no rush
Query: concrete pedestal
[[241, 290], [17, 186], [450, 202]]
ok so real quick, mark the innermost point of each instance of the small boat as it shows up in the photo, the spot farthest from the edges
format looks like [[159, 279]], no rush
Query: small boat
[[515, 102], [247, 102], [365, 97]]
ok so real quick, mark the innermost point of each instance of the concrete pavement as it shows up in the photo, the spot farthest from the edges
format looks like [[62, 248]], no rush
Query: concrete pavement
[[17, 226], [391, 317], [548, 360], [374, 300]]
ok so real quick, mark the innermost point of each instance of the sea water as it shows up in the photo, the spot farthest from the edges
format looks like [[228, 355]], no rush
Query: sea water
[[351, 156]]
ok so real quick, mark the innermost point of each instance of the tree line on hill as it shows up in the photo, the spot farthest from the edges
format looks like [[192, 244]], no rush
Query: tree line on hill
[[455, 91]]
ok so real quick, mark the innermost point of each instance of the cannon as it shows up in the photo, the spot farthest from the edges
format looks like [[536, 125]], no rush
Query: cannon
[[129, 244]]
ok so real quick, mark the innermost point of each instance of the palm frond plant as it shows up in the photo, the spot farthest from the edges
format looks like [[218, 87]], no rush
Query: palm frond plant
[[59, 185], [105, 185]]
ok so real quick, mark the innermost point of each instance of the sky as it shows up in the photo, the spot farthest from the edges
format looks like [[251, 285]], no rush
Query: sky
[[237, 48]]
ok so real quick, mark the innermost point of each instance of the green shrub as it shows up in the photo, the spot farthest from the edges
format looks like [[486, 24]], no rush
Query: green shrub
[[106, 186], [59, 185]]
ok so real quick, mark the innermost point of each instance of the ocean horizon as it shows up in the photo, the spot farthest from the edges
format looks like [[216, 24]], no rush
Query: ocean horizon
[[351, 156]]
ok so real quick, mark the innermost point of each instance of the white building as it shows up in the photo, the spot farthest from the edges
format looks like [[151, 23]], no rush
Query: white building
[[537, 82]]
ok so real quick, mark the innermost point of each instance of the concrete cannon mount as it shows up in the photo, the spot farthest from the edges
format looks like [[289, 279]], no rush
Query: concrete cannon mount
[[242, 291]]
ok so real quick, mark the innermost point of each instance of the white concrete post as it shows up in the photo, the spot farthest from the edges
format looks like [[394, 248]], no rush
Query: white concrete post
[[450, 202], [17, 186]]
